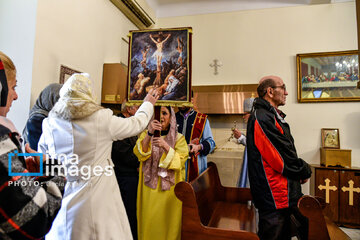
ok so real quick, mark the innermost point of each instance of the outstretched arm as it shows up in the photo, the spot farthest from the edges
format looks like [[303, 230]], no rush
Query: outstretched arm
[[166, 38], [152, 39]]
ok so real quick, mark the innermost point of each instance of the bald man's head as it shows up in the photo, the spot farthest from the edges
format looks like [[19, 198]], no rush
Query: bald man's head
[[272, 89], [265, 83], [275, 78]]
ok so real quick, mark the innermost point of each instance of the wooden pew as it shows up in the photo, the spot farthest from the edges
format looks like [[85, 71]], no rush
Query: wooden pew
[[211, 211], [320, 226]]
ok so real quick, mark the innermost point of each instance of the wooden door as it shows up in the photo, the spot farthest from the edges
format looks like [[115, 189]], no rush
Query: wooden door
[[349, 197], [327, 187]]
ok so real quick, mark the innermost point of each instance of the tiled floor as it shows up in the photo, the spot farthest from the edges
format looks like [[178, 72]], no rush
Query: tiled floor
[[354, 234]]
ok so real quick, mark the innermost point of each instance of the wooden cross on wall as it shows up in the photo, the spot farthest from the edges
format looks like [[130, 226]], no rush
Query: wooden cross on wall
[[215, 65]]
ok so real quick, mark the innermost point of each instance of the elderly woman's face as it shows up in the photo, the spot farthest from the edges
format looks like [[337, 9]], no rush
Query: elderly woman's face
[[164, 118]]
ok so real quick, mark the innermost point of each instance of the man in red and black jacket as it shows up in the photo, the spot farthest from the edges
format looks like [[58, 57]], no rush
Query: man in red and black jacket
[[275, 171]]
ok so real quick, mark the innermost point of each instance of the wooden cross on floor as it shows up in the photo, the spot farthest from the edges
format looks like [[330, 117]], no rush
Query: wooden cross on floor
[[215, 65], [351, 191], [327, 189]]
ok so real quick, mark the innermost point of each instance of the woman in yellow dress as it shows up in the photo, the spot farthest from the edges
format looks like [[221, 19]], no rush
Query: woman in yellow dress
[[162, 165]]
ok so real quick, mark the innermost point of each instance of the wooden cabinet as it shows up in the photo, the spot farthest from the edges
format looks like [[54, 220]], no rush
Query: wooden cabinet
[[340, 187], [114, 83]]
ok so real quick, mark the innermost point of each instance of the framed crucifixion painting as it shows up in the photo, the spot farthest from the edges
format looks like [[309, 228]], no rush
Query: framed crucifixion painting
[[160, 59]]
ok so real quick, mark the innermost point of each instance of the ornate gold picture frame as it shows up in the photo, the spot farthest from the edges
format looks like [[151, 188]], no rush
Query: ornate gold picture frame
[[160, 59], [330, 138], [328, 76]]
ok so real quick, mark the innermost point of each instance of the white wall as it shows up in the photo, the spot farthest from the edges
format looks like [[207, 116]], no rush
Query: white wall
[[79, 34], [17, 36], [252, 44]]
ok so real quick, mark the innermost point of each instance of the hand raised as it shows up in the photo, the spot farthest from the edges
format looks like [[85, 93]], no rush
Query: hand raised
[[152, 96]]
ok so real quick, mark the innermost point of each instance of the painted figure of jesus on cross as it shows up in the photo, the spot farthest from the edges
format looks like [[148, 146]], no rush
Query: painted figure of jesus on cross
[[158, 54]]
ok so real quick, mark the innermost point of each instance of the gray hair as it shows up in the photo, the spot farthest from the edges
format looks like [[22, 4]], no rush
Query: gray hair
[[264, 85]]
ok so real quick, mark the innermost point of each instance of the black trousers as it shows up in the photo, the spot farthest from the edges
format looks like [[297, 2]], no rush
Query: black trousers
[[128, 189], [282, 224]]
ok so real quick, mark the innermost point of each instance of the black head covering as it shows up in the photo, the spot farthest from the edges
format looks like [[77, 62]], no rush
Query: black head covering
[[3, 86], [46, 100]]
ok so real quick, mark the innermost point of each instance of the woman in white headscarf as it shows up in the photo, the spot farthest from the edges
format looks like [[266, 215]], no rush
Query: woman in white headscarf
[[83, 132]]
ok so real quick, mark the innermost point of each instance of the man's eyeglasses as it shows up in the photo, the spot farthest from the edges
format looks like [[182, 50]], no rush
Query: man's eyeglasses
[[282, 87]]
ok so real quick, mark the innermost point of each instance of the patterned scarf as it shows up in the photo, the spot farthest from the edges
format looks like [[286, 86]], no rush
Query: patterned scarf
[[77, 99], [151, 169]]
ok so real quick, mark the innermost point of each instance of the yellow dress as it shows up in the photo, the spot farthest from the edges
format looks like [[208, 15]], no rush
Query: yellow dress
[[159, 212]]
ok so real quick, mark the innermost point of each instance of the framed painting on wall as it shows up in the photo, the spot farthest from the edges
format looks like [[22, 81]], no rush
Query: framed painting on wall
[[65, 73], [328, 77], [330, 138], [160, 59]]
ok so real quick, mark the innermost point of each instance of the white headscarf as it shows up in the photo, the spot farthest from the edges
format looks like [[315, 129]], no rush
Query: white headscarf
[[77, 99]]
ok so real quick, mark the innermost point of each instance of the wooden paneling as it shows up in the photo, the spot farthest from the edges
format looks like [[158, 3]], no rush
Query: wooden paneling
[[343, 207], [114, 83], [350, 214], [332, 206]]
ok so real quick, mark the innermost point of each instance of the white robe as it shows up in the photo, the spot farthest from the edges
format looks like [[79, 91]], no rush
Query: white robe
[[91, 209]]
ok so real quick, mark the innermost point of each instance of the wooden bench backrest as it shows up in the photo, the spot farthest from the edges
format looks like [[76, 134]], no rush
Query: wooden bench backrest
[[201, 193], [311, 208], [207, 188], [202, 201], [320, 227]]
